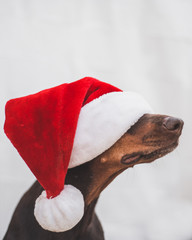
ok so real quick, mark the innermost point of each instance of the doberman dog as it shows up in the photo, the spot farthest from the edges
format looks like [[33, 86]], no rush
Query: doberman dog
[[152, 137]]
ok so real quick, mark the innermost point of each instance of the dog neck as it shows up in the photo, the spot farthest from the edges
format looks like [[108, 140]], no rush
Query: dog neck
[[93, 177]]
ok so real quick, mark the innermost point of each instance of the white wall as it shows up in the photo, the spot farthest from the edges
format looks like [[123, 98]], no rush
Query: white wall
[[144, 46]]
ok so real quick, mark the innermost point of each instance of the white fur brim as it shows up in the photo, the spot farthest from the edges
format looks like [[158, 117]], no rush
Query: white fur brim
[[61, 213], [103, 121]]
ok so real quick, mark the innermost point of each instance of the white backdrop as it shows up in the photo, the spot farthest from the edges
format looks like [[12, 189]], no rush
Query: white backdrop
[[137, 45]]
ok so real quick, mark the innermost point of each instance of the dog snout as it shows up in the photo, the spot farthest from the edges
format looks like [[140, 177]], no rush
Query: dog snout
[[173, 124]]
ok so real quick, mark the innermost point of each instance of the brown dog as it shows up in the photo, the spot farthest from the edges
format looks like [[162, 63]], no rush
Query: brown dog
[[152, 137]]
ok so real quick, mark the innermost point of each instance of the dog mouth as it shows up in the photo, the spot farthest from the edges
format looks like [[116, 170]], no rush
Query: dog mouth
[[141, 157]]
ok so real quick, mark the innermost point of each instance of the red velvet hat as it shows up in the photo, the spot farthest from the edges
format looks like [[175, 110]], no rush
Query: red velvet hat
[[55, 129]]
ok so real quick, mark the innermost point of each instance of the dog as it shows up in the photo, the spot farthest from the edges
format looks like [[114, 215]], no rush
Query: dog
[[152, 137]]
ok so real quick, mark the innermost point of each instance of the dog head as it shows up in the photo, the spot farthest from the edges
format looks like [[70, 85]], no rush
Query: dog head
[[152, 137]]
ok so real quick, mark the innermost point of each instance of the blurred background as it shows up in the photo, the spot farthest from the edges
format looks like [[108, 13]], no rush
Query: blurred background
[[136, 45]]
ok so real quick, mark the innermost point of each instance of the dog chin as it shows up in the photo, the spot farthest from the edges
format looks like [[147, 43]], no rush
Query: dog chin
[[141, 157]]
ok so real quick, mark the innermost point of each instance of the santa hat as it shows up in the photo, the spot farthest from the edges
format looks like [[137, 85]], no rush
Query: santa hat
[[63, 127]]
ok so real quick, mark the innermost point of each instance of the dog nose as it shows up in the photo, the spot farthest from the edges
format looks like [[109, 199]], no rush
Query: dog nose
[[172, 124]]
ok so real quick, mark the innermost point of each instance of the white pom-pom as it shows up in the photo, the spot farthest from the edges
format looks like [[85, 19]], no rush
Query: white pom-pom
[[62, 212]]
